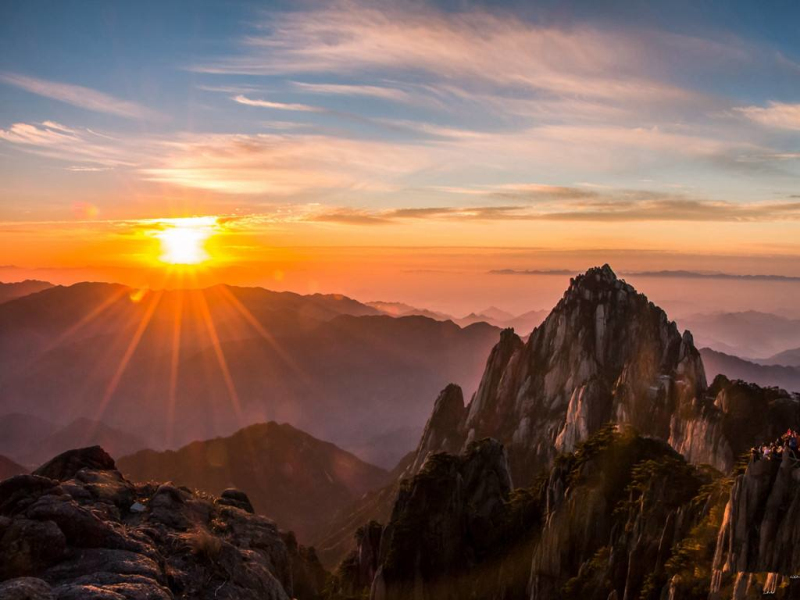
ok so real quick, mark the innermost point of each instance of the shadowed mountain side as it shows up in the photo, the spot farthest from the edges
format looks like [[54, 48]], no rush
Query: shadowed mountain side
[[289, 476], [737, 368], [622, 516], [198, 364], [11, 291]]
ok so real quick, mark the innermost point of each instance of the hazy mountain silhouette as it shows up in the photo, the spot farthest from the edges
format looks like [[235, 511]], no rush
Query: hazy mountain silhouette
[[787, 358], [10, 291], [749, 334], [9, 468], [734, 367], [30, 440], [20, 434], [289, 476], [175, 366]]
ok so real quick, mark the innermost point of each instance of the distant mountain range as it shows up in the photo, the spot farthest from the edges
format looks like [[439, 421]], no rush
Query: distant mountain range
[[523, 323], [734, 367], [10, 291], [787, 358], [749, 334], [32, 440], [9, 468], [175, 366], [289, 476]]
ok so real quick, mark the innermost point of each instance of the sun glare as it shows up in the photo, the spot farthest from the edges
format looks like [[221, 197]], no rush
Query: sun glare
[[183, 241]]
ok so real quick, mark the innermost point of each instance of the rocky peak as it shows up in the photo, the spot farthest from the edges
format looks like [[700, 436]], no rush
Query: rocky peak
[[444, 430], [604, 354]]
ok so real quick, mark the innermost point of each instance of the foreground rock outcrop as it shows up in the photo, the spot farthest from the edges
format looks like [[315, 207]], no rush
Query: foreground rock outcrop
[[77, 529]]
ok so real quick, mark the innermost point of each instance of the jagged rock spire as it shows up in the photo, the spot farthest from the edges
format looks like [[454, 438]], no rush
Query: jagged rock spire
[[604, 354]]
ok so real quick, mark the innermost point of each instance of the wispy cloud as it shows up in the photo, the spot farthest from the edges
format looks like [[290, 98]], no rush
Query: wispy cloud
[[374, 91], [775, 114], [469, 46], [53, 140], [666, 208], [241, 99], [80, 96]]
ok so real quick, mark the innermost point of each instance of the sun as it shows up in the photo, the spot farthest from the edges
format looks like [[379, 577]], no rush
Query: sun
[[183, 241]]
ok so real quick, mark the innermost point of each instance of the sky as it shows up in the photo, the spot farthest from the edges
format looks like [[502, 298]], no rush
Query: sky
[[346, 146]]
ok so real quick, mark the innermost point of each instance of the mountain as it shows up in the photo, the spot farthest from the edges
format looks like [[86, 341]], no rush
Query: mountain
[[738, 368], [84, 432], [747, 334], [787, 358], [30, 440], [175, 366], [623, 516], [10, 291], [20, 434], [496, 314], [8, 468], [77, 529], [604, 354], [291, 477], [603, 523], [400, 309]]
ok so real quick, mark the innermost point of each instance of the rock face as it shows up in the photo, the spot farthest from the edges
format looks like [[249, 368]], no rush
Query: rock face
[[608, 521], [604, 354], [448, 524], [76, 529], [357, 571], [760, 532]]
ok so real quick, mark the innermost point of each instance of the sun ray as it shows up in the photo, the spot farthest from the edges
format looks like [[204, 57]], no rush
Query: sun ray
[[260, 329], [84, 321], [220, 355], [129, 351], [174, 362]]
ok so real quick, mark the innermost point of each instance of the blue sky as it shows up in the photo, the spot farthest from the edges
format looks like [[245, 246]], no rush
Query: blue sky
[[449, 119]]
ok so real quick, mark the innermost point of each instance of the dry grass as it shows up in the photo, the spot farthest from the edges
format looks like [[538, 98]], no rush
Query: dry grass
[[204, 544]]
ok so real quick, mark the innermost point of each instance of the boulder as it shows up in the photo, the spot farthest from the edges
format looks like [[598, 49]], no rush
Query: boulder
[[67, 464]]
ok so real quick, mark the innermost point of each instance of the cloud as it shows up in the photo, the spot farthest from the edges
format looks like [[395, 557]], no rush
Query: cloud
[[80, 96], [491, 56], [53, 140], [703, 275], [775, 114], [276, 105], [282, 164], [648, 206], [374, 91], [532, 272]]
